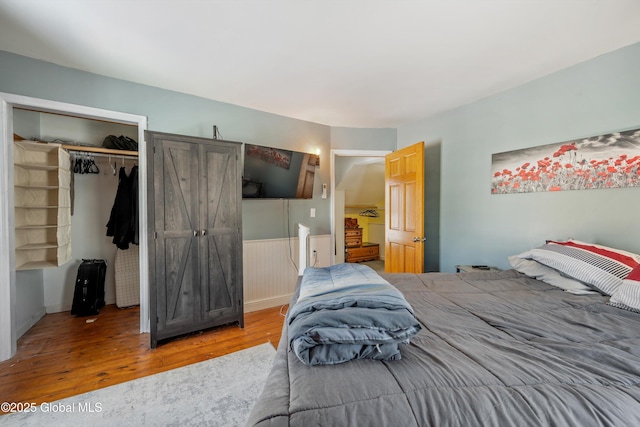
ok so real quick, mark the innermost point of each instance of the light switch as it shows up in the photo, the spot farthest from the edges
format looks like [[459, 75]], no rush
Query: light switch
[[312, 213]]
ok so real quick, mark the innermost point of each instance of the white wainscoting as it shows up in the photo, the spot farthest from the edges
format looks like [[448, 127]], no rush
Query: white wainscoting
[[270, 269]]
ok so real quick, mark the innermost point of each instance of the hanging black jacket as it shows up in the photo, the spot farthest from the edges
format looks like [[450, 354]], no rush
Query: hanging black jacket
[[123, 221]]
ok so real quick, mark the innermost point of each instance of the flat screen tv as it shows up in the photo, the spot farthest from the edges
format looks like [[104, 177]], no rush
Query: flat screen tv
[[273, 173]]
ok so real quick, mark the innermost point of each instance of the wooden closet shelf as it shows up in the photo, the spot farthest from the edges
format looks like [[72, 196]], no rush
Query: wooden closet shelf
[[38, 187], [102, 150], [39, 207], [33, 166], [37, 265], [32, 246]]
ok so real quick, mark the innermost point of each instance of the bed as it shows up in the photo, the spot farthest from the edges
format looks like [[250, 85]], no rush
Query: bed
[[495, 348]]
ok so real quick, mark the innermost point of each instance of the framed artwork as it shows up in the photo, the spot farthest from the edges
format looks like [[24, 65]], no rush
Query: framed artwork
[[273, 156], [603, 161]]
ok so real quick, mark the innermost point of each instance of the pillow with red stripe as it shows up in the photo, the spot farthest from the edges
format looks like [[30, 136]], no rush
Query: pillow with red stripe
[[599, 266], [627, 296]]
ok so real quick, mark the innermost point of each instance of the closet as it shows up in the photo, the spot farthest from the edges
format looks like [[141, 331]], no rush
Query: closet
[[195, 221], [61, 216]]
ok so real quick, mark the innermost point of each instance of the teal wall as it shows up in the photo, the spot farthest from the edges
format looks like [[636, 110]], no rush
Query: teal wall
[[593, 98], [174, 112], [464, 222]]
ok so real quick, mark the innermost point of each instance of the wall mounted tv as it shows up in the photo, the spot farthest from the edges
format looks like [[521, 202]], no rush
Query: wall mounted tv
[[273, 173]]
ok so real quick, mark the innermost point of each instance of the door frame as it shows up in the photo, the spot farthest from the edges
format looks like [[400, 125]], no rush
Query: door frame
[[334, 205], [8, 339]]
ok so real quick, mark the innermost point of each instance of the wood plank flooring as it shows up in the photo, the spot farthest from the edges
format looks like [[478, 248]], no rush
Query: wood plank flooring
[[63, 355]]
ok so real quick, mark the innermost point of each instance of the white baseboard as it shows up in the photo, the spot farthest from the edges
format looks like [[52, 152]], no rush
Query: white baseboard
[[250, 306], [58, 308], [21, 329]]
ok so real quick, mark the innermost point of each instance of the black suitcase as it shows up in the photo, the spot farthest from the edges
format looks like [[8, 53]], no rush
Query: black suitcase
[[88, 295]]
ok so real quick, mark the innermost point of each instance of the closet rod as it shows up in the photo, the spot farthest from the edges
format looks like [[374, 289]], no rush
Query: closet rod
[[111, 156], [99, 150]]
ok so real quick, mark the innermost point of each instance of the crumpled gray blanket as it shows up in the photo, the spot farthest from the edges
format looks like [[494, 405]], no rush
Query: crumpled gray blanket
[[346, 312]]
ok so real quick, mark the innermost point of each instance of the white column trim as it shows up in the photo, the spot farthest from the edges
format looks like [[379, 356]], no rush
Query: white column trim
[[7, 241]]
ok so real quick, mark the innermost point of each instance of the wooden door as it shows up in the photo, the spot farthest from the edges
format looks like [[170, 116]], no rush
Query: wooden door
[[195, 235], [173, 249], [221, 245], [305, 179], [404, 219]]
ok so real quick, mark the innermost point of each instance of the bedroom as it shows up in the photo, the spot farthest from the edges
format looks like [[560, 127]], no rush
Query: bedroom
[[590, 98]]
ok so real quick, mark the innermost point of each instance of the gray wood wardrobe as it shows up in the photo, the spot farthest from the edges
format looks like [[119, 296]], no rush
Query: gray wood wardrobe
[[195, 234]]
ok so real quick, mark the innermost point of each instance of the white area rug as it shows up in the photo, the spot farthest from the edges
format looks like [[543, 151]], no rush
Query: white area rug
[[216, 392]]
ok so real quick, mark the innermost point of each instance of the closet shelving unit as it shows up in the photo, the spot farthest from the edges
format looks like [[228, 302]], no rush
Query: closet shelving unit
[[42, 183]]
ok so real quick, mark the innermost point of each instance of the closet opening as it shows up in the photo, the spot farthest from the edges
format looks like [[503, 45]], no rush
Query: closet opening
[[95, 172], [98, 177]]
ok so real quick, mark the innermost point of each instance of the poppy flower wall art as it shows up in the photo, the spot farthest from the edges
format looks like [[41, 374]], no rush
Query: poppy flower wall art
[[604, 161]]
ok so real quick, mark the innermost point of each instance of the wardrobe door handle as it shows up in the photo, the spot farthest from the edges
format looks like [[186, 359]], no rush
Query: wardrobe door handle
[[204, 232], [195, 233]]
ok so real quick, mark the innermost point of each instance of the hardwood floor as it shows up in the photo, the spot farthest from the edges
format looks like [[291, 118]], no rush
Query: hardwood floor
[[63, 355]]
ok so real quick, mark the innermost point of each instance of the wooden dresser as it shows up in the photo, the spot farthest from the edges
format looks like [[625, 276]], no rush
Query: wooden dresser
[[353, 237], [356, 249]]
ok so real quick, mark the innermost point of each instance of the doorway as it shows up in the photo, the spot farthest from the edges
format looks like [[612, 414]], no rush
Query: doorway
[[8, 332], [338, 199]]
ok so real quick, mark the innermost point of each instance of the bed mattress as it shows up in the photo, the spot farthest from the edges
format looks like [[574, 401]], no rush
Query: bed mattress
[[496, 348]]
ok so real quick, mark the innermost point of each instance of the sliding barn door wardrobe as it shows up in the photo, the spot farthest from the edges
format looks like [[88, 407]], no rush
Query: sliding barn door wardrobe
[[195, 232]]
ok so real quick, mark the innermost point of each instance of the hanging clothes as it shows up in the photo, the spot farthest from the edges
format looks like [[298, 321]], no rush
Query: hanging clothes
[[135, 218], [123, 221]]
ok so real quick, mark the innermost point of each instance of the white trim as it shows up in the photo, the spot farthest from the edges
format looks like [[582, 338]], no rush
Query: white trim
[[7, 259], [303, 247], [332, 171], [143, 258], [267, 303], [21, 329]]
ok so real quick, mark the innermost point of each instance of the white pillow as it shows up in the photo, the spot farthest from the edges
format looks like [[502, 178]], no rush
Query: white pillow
[[548, 275], [627, 295]]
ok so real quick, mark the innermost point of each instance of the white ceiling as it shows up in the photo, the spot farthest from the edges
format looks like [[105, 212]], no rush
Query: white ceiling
[[354, 63]]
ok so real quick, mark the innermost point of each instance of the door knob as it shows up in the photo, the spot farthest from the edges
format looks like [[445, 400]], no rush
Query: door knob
[[418, 239]]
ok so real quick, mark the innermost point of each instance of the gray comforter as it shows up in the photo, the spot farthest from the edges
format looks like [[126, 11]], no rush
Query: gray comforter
[[346, 312], [497, 348]]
